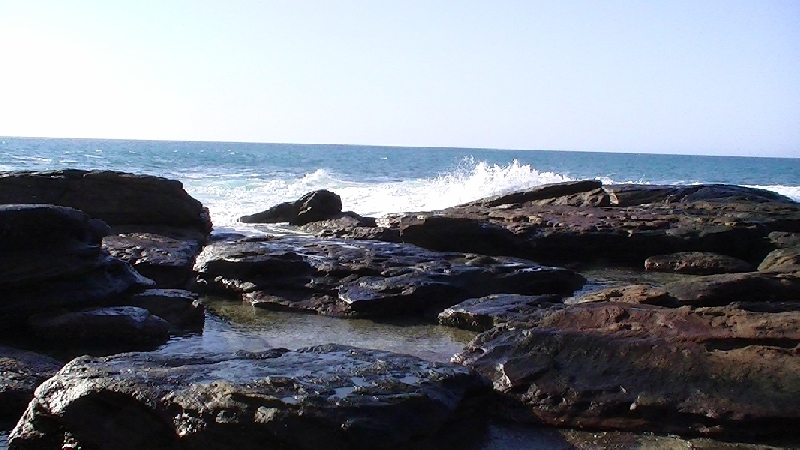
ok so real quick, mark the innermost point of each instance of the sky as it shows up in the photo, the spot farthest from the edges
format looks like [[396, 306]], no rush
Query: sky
[[695, 77]]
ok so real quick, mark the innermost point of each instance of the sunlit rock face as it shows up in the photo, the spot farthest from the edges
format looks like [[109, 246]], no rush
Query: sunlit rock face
[[329, 396]]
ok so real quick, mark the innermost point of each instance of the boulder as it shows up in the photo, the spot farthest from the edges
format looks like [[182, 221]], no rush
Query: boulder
[[366, 278], [312, 207], [484, 313], [329, 396], [180, 308], [20, 373], [723, 289], [121, 326], [642, 294], [51, 257], [697, 263], [613, 366], [117, 198]]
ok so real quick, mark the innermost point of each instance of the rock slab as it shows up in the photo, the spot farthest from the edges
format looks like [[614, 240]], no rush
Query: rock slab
[[328, 396], [713, 371], [365, 278]]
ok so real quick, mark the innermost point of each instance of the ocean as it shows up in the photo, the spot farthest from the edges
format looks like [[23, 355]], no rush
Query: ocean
[[234, 179]]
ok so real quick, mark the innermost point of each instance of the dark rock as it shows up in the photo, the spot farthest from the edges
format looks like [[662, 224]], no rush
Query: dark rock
[[20, 373], [720, 290], [166, 256], [715, 371], [328, 396], [545, 192], [458, 234], [117, 198], [349, 225], [51, 257], [637, 293], [104, 327], [366, 278], [483, 313], [111, 281], [312, 207], [647, 221], [639, 194], [697, 263], [39, 242], [180, 308]]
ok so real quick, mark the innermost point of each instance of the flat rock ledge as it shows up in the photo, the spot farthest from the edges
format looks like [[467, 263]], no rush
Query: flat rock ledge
[[329, 396], [587, 222], [366, 278], [716, 371]]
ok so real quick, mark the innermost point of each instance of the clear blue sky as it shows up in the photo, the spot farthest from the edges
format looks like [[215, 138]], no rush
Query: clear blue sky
[[706, 77]]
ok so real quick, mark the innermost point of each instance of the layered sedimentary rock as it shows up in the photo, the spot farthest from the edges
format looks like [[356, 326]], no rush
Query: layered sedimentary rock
[[116, 198], [328, 396], [51, 257], [364, 278], [719, 371], [158, 227], [586, 222]]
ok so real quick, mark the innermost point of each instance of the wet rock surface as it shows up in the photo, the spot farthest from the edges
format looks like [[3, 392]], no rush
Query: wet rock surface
[[312, 207], [350, 278], [714, 371], [20, 373], [329, 396], [697, 263], [117, 198], [483, 313], [165, 255]]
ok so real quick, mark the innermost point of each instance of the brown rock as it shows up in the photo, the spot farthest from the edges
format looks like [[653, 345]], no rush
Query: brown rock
[[637, 294], [718, 290], [715, 371], [782, 259], [697, 263]]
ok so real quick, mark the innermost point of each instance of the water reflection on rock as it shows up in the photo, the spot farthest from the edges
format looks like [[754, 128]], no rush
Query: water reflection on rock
[[233, 325]]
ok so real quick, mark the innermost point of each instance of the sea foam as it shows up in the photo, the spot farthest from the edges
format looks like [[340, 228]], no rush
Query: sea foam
[[231, 196]]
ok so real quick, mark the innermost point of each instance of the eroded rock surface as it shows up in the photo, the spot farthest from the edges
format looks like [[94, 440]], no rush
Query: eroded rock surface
[[165, 255], [366, 278], [718, 371], [697, 263], [20, 373], [328, 396], [483, 313], [51, 257], [585, 222]]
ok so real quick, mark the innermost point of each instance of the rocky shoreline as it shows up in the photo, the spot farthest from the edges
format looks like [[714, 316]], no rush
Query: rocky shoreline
[[114, 262]]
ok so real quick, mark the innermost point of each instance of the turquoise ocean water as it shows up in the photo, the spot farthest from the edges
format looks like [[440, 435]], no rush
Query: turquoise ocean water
[[234, 179]]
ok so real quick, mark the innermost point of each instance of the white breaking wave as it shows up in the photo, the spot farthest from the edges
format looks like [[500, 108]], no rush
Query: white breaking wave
[[230, 197], [793, 192]]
